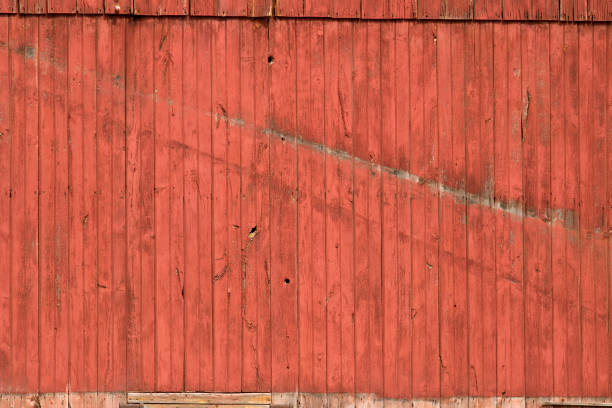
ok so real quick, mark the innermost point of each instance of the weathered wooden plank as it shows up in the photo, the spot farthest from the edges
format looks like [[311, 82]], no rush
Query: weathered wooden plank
[[77, 311], [220, 218], [262, 246], [89, 220], [283, 206], [536, 182], [599, 160], [7, 25], [587, 220], [248, 211], [571, 224], [9, 6], [46, 213], [404, 226], [203, 295], [16, 359], [488, 10], [389, 214], [176, 138], [374, 208], [236, 231], [198, 398]]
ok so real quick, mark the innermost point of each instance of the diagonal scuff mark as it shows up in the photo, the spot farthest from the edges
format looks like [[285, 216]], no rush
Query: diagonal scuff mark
[[513, 208]]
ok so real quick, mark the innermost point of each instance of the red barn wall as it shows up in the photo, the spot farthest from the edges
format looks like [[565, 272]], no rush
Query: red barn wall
[[399, 208]]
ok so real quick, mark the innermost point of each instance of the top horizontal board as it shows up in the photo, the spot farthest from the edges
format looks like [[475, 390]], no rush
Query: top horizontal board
[[516, 10]]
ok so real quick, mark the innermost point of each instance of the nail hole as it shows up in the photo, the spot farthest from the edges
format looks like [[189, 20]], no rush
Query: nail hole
[[270, 59], [287, 281]]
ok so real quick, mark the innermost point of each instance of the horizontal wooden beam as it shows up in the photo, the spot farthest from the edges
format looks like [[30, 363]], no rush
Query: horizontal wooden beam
[[183, 399]]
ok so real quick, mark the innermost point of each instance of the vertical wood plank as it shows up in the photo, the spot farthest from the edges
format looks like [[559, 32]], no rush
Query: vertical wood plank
[[404, 216], [474, 213], [159, 7], [61, 6], [262, 246], [445, 123], [572, 180], [235, 230], [609, 176], [146, 88], [460, 9], [306, 258], [537, 239], [75, 202], [587, 221], [31, 191], [481, 221], [598, 184], [165, 275], [558, 238], [487, 168], [422, 371], [197, 8], [600, 10], [6, 129], [488, 10], [134, 202], [431, 206], [16, 361], [46, 214], [347, 8], [232, 8], [259, 8], [90, 6], [347, 272], [248, 211], [176, 135], [360, 176], [33, 6], [430, 9], [311, 206], [289, 8], [104, 139], [283, 207], [313, 8], [220, 218], [205, 185], [516, 10], [61, 232], [389, 214], [8, 6], [90, 219], [374, 208], [191, 158], [373, 9], [119, 244], [333, 211], [544, 10], [453, 278]]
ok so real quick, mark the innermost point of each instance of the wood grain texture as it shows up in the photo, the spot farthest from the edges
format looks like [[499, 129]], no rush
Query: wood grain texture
[[366, 211], [466, 10]]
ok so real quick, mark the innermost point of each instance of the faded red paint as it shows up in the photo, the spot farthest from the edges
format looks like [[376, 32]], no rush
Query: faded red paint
[[537, 10], [399, 208]]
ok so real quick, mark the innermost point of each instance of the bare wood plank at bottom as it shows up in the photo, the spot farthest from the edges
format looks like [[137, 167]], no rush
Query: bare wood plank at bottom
[[203, 406], [207, 399]]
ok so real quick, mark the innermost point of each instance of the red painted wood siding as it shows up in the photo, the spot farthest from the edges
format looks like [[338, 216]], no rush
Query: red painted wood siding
[[410, 209], [538, 10]]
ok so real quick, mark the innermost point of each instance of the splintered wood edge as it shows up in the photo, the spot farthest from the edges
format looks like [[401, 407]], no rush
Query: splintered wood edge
[[183, 398]]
